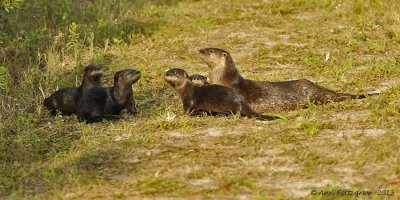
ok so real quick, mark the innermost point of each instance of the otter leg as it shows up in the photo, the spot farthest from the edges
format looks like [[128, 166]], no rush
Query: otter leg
[[247, 111], [111, 117], [190, 110], [98, 118], [198, 113], [131, 107], [93, 116], [89, 112]]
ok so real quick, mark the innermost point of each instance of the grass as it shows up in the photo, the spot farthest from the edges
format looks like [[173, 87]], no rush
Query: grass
[[349, 46]]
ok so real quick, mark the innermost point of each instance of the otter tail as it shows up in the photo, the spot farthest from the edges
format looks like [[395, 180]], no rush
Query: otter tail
[[345, 96], [363, 96]]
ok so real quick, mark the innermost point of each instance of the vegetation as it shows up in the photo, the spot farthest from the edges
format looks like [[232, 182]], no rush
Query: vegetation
[[8, 5], [349, 46]]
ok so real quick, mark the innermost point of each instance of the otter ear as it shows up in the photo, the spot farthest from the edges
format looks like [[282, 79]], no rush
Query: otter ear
[[224, 54]]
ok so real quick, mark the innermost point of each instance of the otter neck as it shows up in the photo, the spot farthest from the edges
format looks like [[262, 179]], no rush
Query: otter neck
[[225, 73], [185, 90], [122, 93], [89, 82]]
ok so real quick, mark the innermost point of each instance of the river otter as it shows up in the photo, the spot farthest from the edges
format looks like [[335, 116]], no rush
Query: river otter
[[212, 99], [268, 96], [199, 80], [65, 100], [107, 102]]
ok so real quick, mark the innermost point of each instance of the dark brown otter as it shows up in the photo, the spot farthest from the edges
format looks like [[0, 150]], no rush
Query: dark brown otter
[[65, 100], [212, 99], [268, 96], [107, 102], [199, 80]]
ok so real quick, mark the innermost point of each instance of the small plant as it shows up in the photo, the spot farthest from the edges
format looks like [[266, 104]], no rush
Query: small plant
[[4, 77], [8, 5], [73, 42]]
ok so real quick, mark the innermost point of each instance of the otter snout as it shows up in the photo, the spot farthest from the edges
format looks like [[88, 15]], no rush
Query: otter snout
[[172, 80], [129, 76], [169, 73], [134, 75], [97, 72], [175, 76], [135, 72], [96, 67]]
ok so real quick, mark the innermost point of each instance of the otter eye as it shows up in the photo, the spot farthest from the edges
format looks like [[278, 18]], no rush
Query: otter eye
[[211, 51]]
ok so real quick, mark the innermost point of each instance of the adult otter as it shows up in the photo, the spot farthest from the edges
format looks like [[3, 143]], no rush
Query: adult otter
[[107, 102], [199, 80], [267, 96], [212, 99], [65, 100]]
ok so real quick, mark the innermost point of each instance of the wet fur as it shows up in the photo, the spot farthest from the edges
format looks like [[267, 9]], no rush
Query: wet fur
[[212, 99], [264, 95], [65, 100], [108, 102]]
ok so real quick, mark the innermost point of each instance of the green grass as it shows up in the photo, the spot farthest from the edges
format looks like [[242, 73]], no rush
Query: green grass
[[348, 46]]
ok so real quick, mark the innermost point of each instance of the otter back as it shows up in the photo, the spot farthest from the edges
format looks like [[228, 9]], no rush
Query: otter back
[[217, 99], [288, 95], [64, 100], [267, 96]]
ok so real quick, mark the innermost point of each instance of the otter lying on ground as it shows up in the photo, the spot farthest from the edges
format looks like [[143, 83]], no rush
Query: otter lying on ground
[[268, 96], [108, 102], [213, 99], [65, 100], [198, 80]]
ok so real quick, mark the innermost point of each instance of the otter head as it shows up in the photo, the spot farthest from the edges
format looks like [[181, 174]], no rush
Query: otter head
[[222, 69], [93, 73], [215, 57], [198, 80], [126, 77], [176, 77]]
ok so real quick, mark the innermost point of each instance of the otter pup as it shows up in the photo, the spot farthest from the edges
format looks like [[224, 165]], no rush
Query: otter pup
[[267, 96], [198, 79], [212, 99], [65, 100], [107, 102]]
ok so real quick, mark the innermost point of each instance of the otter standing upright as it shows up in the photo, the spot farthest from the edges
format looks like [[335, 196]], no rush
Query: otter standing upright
[[263, 95], [65, 100], [108, 102], [213, 99]]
